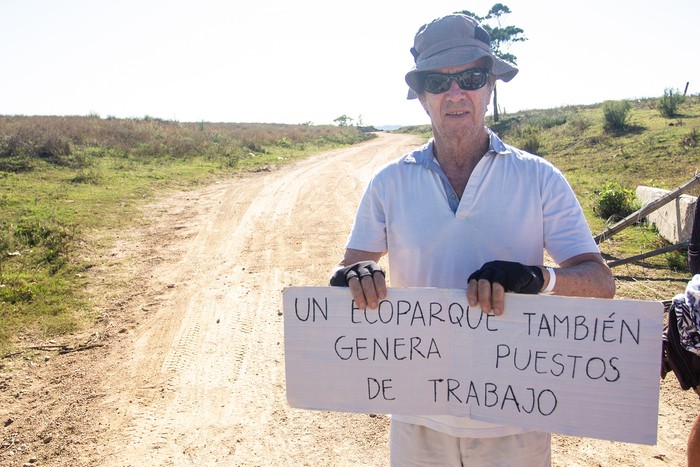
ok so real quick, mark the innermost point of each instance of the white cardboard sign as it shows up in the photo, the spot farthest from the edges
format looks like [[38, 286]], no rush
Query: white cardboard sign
[[576, 366]]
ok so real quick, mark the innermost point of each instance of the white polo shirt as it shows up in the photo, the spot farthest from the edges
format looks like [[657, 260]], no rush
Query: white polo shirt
[[515, 206]]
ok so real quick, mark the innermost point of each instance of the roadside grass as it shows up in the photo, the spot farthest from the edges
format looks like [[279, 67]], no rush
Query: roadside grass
[[63, 177], [651, 150]]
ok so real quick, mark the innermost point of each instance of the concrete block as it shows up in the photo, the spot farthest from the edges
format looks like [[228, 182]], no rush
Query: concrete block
[[674, 220]]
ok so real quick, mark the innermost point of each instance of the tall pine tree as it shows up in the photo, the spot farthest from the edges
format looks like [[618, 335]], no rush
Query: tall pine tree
[[502, 37]]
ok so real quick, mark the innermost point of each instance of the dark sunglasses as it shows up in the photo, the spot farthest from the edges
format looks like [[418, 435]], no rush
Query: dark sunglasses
[[468, 80]]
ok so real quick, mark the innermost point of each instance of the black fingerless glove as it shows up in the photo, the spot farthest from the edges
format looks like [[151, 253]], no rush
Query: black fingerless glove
[[341, 277], [514, 277]]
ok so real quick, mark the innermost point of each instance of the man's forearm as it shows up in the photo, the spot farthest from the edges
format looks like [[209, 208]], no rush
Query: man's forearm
[[585, 279]]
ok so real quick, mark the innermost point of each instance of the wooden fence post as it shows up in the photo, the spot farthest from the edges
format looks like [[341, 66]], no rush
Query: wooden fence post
[[649, 208]]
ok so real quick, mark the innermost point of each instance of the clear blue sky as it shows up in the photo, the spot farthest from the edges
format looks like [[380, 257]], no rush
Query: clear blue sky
[[313, 60]]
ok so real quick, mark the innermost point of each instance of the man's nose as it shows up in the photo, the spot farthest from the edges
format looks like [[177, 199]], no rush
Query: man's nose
[[455, 90]]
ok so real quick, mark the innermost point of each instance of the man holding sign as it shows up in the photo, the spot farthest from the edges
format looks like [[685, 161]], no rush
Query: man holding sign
[[467, 211]]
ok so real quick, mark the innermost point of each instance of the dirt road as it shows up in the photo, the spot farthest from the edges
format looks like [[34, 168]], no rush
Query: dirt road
[[188, 363]]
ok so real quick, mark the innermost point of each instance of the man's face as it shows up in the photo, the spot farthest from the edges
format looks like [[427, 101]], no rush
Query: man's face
[[457, 109]]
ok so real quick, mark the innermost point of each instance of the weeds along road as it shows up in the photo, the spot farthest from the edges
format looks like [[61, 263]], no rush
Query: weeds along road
[[192, 367]]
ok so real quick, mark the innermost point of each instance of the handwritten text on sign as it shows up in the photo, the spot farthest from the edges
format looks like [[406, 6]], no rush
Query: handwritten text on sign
[[578, 366]]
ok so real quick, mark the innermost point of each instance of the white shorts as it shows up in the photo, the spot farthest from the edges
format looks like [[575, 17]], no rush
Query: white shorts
[[416, 445]]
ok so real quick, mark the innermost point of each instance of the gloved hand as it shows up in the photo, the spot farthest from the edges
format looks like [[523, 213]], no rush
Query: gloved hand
[[514, 277], [342, 276]]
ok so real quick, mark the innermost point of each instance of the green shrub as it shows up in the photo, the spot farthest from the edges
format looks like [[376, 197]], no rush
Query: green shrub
[[90, 176], [528, 139], [17, 164], [54, 149], [16, 292], [614, 201], [668, 104], [577, 125], [550, 120], [616, 115], [677, 260], [48, 240]]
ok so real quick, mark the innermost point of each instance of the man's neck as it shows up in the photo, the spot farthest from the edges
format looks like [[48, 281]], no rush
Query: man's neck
[[463, 148], [458, 155]]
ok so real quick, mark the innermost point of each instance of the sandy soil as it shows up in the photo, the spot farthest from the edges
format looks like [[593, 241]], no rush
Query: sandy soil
[[184, 364]]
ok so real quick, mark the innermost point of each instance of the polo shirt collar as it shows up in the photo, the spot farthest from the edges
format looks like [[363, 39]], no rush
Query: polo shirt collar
[[426, 156], [495, 144]]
